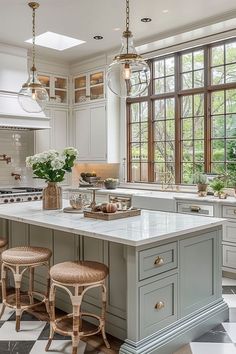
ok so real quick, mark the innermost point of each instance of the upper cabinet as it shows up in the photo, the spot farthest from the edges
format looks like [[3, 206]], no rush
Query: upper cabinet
[[89, 87], [57, 87]]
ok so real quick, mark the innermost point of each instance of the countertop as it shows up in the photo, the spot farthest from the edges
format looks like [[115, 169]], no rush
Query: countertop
[[159, 194], [150, 226]]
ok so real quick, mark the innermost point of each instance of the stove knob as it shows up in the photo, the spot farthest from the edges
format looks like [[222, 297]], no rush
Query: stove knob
[[5, 200], [12, 200], [29, 199], [18, 199], [36, 198]]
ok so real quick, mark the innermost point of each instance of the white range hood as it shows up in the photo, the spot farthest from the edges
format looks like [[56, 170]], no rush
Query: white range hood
[[13, 73], [12, 116]]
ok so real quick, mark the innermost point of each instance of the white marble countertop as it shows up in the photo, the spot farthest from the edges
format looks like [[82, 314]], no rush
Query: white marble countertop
[[150, 226], [159, 194]]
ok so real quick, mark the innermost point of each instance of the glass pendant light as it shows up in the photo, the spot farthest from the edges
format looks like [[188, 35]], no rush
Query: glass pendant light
[[129, 74], [33, 96]]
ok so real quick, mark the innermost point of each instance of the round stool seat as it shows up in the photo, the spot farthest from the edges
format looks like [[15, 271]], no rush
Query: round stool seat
[[3, 242], [26, 255], [85, 272]]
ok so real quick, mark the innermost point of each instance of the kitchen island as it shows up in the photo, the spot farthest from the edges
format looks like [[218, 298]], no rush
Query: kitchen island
[[165, 270]]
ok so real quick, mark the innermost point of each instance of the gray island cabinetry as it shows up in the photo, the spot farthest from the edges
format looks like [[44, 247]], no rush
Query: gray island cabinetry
[[165, 270]]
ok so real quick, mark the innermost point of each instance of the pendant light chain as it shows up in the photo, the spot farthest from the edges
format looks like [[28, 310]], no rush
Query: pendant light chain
[[127, 26], [127, 15], [33, 48]]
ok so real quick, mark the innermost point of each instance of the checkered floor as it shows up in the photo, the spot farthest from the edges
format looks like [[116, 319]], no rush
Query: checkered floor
[[33, 337], [34, 333], [221, 339]]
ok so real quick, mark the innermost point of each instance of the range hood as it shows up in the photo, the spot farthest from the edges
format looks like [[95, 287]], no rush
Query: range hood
[[12, 116], [13, 73]]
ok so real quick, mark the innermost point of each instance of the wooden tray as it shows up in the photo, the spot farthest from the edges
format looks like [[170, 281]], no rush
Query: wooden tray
[[120, 214]]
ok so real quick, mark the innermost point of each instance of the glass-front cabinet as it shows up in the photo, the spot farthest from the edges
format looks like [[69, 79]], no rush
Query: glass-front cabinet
[[57, 87], [89, 87]]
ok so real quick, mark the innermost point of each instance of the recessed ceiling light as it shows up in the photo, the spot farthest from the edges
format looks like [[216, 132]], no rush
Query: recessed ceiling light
[[146, 19], [55, 41], [116, 29], [165, 11], [98, 38]]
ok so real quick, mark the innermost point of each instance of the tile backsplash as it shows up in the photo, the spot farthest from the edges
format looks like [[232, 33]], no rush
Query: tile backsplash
[[18, 145], [102, 170]]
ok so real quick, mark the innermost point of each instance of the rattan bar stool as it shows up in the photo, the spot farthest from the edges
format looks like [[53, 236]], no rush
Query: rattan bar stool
[[81, 277], [18, 260]]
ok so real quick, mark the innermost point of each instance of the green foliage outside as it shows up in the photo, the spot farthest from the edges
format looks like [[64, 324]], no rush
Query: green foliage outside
[[223, 119]]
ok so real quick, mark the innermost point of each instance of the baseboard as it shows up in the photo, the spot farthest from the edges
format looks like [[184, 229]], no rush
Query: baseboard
[[179, 333]]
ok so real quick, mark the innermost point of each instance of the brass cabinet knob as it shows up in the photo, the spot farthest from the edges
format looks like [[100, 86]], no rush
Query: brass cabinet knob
[[159, 261], [195, 208], [159, 305]]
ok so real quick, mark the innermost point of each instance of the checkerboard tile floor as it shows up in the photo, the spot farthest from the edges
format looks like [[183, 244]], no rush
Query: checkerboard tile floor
[[33, 336], [34, 333], [221, 339]]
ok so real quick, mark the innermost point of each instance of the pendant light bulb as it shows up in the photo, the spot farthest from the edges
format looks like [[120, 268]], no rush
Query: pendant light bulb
[[33, 97], [129, 74], [127, 71]]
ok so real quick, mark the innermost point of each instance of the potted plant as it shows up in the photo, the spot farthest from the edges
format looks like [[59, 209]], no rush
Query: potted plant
[[201, 181], [110, 183], [52, 166], [218, 187]]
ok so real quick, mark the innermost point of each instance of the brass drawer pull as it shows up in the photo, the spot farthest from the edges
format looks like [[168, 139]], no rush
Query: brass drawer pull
[[159, 261], [159, 305], [195, 208]]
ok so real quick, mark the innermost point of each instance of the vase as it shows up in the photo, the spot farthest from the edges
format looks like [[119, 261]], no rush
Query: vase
[[52, 196], [202, 189]]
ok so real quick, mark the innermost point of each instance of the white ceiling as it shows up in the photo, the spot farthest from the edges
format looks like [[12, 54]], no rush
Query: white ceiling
[[84, 19]]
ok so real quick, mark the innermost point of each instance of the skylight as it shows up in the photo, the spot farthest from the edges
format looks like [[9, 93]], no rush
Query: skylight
[[55, 41]]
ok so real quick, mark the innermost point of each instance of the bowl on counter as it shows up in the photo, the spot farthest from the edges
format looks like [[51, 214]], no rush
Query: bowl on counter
[[110, 183]]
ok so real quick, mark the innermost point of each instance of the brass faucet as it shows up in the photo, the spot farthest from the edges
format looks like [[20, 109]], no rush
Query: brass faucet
[[6, 158], [16, 175]]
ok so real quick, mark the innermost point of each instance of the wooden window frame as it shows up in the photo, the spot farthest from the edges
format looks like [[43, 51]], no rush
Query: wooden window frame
[[206, 90]]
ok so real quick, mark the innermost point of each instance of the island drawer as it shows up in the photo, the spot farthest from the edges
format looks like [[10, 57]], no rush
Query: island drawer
[[229, 212], [229, 256], [157, 260], [229, 233], [196, 208], [158, 305]]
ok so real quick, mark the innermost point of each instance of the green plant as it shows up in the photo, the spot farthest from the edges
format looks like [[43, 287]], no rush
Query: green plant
[[200, 178], [217, 185]]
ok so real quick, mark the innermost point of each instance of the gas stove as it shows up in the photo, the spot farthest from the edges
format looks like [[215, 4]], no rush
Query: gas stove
[[20, 194]]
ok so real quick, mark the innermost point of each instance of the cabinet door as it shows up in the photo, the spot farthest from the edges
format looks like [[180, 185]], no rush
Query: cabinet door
[[59, 129], [98, 137], [43, 137], [82, 132]]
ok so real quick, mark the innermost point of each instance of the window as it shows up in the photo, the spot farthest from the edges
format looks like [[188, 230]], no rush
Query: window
[[186, 122]]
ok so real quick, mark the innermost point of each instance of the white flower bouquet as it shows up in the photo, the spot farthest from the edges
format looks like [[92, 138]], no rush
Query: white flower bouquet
[[51, 165]]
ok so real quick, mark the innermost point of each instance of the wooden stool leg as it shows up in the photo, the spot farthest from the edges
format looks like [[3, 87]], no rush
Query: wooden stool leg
[[104, 304], [17, 279], [48, 288], [4, 291], [52, 316], [76, 303], [31, 285]]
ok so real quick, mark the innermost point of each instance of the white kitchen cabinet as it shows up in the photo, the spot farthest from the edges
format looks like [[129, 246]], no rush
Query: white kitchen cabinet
[[90, 128], [96, 131], [56, 137], [89, 87], [56, 86]]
